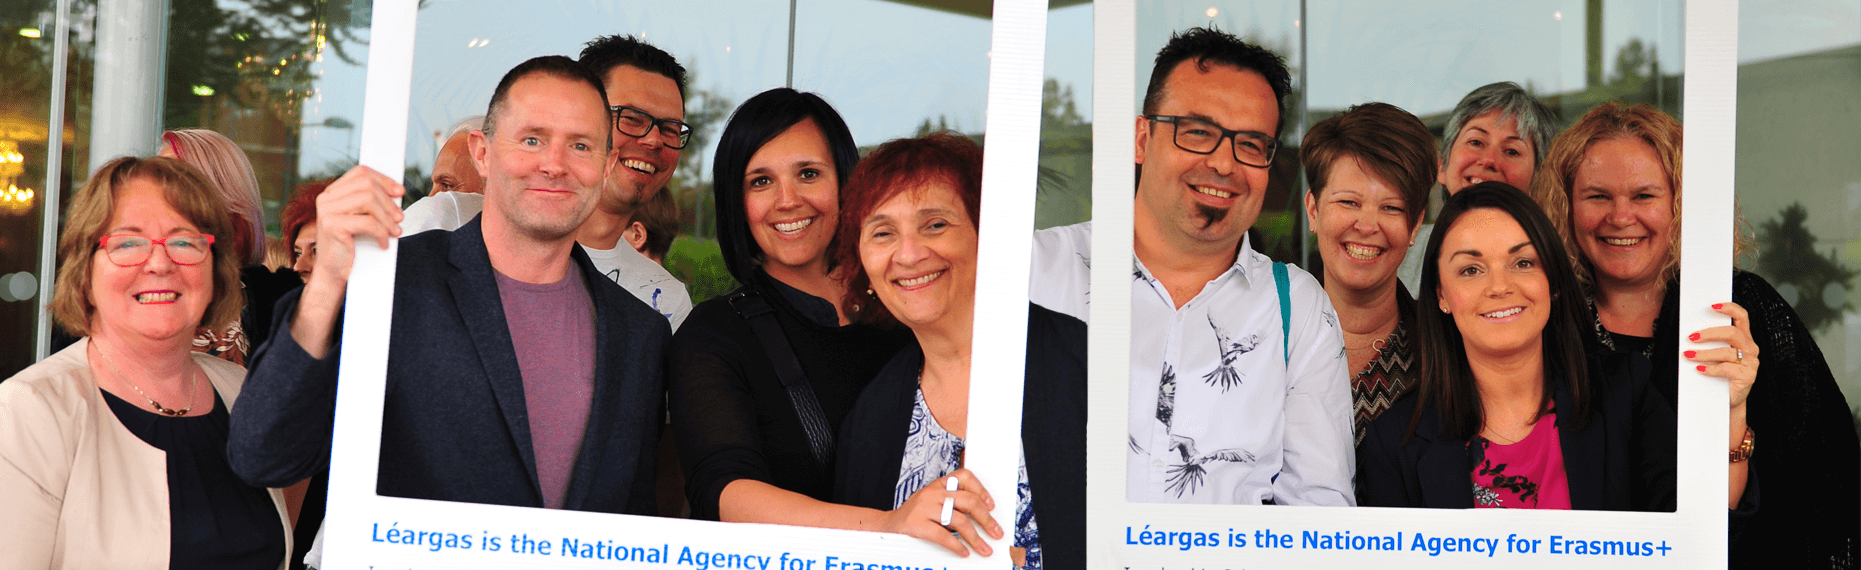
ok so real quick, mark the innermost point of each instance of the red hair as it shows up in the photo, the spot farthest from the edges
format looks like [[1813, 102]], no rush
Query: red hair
[[896, 167], [301, 210]]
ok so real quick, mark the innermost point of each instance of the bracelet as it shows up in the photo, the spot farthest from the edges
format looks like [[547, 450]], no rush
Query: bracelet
[[1743, 452]]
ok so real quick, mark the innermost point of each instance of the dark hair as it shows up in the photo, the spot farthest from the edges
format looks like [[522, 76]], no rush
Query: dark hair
[[1445, 379], [1209, 45], [896, 167], [188, 192], [1536, 123], [552, 66], [301, 210], [659, 215], [603, 54], [753, 124], [1390, 142]]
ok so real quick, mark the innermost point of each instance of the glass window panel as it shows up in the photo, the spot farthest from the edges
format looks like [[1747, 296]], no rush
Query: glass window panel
[[1798, 183], [1065, 186], [894, 69], [259, 73], [27, 62]]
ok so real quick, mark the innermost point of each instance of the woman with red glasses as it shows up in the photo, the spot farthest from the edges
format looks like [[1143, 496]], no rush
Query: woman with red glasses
[[113, 450]]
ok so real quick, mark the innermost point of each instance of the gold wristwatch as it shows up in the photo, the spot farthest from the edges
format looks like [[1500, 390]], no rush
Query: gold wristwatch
[[1744, 449]]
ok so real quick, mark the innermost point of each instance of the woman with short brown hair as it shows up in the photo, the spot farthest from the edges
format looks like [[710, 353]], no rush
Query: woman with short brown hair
[[113, 450]]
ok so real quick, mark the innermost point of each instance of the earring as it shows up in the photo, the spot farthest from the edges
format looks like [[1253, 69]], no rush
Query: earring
[[869, 293]]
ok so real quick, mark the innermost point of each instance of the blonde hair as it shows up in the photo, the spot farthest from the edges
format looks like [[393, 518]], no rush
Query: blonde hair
[[226, 168], [88, 218], [1555, 179]]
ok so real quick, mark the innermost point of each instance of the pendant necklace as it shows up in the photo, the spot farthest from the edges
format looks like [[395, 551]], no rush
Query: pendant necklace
[[193, 382]]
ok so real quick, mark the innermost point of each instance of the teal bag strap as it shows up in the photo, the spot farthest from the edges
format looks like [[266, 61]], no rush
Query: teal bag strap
[[1282, 283]]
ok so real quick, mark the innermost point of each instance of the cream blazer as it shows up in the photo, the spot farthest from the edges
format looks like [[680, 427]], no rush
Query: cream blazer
[[77, 489]]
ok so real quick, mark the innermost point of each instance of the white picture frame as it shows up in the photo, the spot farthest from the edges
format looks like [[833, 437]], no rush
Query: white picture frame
[[1694, 534], [365, 530]]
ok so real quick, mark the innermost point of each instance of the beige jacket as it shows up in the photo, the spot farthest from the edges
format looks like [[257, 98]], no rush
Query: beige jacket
[[77, 488]]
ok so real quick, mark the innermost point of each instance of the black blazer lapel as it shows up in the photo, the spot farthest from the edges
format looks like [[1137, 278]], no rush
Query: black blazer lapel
[[611, 408], [474, 288], [1584, 451], [1444, 471]]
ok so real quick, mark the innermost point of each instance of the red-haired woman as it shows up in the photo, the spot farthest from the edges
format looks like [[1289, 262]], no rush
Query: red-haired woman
[[909, 224]]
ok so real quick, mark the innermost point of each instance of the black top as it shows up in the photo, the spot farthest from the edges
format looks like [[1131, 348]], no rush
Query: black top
[[1053, 434], [731, 416], [214, 519], [1622, 459], [264, 288]]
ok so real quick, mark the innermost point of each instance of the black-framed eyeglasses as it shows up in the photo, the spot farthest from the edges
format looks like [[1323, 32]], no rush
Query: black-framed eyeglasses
[[636, 123], [1199, 136]]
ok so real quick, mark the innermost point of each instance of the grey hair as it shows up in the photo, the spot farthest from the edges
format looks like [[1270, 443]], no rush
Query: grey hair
[[472, 123], [1535, 121]]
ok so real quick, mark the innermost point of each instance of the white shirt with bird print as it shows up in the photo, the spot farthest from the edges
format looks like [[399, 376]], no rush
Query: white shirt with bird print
[[1219, 413]]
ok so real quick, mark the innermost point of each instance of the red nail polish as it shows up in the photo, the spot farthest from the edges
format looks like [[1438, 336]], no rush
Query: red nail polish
[[1694, 336], [1702, 368], [1689, 354], [1718, 305]]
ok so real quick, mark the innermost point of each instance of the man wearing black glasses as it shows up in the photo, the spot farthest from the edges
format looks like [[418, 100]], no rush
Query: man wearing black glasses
[[1238, 391], [646, 94], [646, 101]]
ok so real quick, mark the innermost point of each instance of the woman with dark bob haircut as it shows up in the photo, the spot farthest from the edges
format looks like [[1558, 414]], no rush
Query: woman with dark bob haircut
[[909, 237], [759, 380], [1510, 411], [113, 451]]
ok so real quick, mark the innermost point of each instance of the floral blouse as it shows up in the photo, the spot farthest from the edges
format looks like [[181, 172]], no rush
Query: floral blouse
[[931, 453]]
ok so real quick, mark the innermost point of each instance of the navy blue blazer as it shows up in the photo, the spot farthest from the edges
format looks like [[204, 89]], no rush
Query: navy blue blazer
[[1053, 435], [454, 423], [1621, 460]]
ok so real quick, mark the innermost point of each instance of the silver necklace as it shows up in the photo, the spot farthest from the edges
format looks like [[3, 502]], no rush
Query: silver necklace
[[193, 382]]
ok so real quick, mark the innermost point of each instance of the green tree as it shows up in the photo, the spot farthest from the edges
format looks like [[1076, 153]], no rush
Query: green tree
[[927, 127], [1064, 185], [1789, 258]]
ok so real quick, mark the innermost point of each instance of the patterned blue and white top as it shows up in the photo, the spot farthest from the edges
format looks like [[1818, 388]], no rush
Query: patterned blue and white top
[[931, 453]]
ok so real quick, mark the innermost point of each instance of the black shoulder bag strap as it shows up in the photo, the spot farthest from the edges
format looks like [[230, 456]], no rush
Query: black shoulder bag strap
[[761, 318]]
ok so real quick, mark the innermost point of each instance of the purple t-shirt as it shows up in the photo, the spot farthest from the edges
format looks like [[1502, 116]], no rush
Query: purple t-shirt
[[552, 329]]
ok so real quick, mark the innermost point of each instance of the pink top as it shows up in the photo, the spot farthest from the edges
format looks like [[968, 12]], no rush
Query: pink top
[[1528, 474]]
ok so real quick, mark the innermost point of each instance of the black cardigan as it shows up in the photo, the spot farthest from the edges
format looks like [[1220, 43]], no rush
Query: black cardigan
[[1806, 443], [1053, 433], [1621, 460], [732, 418]]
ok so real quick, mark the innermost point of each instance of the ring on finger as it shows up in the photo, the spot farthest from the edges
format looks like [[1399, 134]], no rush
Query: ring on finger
[[949, 503], [1741, 355]]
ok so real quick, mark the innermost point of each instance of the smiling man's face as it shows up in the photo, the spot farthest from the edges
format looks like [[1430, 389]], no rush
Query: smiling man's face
[[1209, 198], [644, 164]]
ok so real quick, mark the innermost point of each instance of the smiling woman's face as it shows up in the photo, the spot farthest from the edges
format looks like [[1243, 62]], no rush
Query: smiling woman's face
[[919, 250], [1622, 212], [157, 299], [791, 195], [1493, 284], [1361, 223]]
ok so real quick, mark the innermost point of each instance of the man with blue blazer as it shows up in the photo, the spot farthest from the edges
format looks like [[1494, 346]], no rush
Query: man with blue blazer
[[517, 373]]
